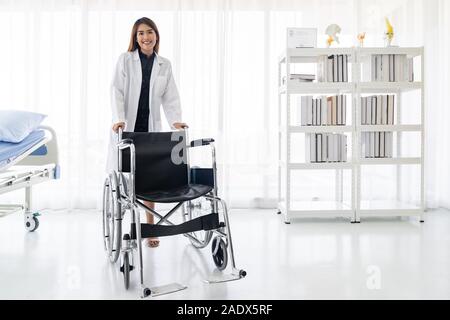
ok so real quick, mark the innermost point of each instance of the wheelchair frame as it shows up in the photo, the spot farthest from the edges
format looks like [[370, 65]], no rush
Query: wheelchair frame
[[123, 198]]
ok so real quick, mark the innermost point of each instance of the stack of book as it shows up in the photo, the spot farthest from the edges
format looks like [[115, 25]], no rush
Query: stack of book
[[333, 68], [325, 147], [303, 77], [388, 68], [377, 110], [377, 144], [322, 111], [300, 77]]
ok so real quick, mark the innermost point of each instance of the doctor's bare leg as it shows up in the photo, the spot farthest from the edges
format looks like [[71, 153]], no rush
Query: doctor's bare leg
[[151, 242]]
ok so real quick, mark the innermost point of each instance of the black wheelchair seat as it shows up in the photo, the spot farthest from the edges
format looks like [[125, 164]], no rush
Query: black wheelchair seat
[[177, 194], [158, 177]]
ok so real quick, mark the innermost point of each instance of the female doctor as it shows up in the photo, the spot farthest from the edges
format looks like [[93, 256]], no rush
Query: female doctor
[[142, 82]]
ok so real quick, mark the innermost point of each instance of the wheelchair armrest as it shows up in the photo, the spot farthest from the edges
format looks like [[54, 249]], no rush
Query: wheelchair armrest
[[124, 143], [201, 142]]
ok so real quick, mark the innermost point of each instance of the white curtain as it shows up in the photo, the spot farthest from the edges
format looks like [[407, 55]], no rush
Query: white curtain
[[57, 58]]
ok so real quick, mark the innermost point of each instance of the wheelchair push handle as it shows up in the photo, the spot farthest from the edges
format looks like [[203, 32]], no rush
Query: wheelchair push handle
[[122, 143]]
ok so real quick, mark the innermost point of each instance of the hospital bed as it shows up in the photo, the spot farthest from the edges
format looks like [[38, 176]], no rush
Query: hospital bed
[[24, 164]]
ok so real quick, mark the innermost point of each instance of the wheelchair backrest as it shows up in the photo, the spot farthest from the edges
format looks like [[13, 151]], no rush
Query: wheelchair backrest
[[156, 169]]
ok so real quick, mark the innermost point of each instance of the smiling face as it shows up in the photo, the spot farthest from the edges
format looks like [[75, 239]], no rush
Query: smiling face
[[146, 38]]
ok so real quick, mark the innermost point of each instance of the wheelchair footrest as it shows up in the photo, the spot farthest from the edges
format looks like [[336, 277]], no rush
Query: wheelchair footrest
[[168, 288], [207, 222]]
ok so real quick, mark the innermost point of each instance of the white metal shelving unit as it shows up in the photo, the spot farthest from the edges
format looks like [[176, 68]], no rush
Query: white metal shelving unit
[[294, 209], [391, 207], [356, 208]]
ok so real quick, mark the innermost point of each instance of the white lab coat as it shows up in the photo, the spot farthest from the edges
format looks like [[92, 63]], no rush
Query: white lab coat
[[125, 93]]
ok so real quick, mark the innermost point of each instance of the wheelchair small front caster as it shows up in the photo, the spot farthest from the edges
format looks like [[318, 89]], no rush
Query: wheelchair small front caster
[[219, 253], [126, 268], [242, 273], [146, 292], [31, 223]]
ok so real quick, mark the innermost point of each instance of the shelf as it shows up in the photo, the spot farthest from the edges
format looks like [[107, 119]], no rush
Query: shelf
[[317, 166], [411, 52], [375, 87], [317, 208], [403, 127], [383, 161], [388, 208], [356, 208], [317, 129], [296, 87], [310, 55]]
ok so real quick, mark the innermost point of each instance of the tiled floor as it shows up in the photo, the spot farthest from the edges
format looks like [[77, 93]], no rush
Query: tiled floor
[[308, 259]]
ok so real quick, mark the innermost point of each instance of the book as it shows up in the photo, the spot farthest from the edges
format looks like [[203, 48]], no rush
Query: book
[[363, 109], [324, 108], [374, 110], [324, 147], [335, 68], [372, 144], [340, 68], [377, 144], [369, 110], [319, 147], [382, 144], [334, 110], [379, 110], [314, 112], [384, 111], [345, 76], [330, 68], [344, 110], [390, 110], [329, 111], [338, 110], [391, 67], [344, 148], [385, 67]]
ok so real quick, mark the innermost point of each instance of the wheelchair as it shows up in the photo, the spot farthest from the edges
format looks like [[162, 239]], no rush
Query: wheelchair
[[154, 167]]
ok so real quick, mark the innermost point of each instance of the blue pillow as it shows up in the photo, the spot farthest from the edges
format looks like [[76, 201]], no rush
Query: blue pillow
[[17, 125]]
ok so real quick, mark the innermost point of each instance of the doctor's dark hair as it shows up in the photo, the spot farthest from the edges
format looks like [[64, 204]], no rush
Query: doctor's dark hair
[[133, 39]]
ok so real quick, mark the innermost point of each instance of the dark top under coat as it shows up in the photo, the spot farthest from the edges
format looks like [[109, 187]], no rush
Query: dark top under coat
[[143, 113]]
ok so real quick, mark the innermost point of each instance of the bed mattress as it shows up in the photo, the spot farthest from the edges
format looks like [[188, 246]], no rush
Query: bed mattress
[[9, 151]]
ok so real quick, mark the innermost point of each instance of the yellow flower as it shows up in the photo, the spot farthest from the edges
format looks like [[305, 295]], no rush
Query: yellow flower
[[389, 28], [329, 40]]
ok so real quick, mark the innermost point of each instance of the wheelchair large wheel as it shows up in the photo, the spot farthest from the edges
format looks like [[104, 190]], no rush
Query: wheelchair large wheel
[[123, 184], [219, 253], [112, 217], [196, 208]]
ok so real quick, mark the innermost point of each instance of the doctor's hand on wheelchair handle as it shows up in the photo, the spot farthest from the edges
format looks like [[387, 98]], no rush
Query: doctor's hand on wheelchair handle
[[180, 125], [121, 125], [118, 125]]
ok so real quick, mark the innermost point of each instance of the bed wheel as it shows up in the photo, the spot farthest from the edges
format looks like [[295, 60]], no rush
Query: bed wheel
[[32, 224], [219, 253]]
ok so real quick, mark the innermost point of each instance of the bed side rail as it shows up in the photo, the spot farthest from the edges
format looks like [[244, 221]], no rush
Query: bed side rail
[[42, 156]]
